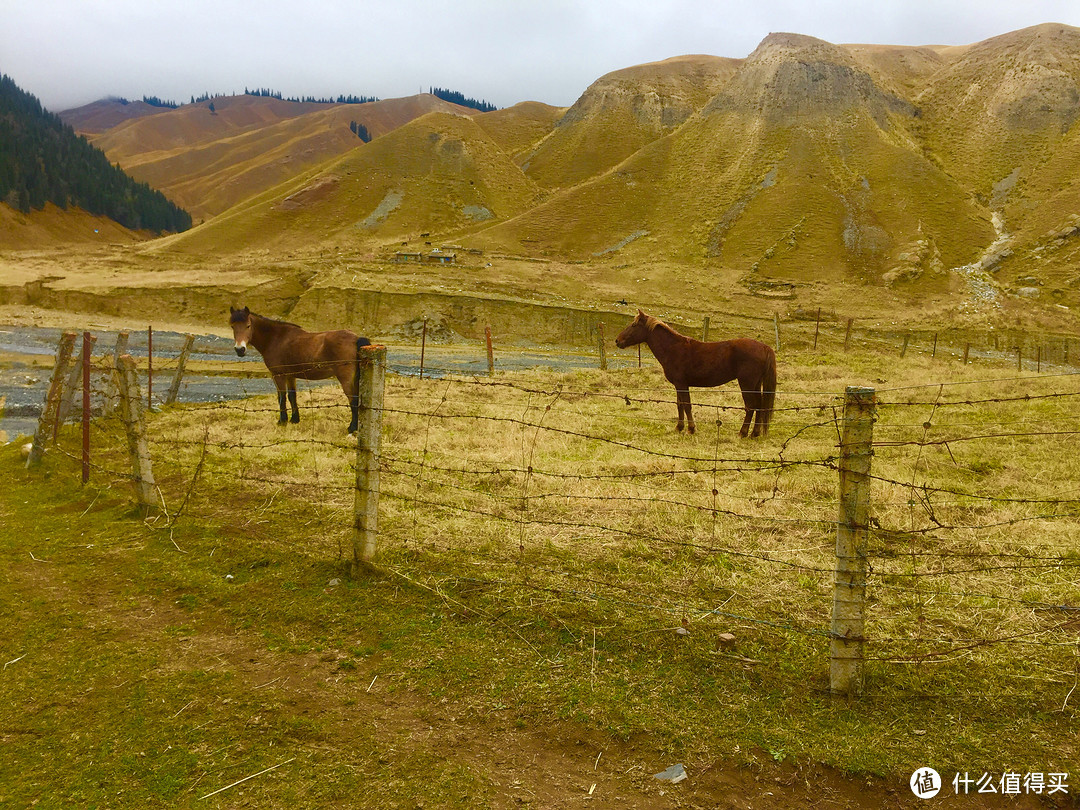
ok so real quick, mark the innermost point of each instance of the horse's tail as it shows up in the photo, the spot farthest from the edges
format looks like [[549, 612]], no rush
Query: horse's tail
[[768, 392]]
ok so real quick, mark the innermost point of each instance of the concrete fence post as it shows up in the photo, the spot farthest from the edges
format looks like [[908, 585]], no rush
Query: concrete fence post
[[368, 440], [849, 590], [131, 412]]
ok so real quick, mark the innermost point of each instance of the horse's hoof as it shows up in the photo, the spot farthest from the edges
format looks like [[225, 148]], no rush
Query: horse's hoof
[[295, 420], [691, 429]]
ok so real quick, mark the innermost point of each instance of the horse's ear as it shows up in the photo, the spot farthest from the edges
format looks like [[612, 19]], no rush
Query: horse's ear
[[247, 311], [642, 314], [231, 310]]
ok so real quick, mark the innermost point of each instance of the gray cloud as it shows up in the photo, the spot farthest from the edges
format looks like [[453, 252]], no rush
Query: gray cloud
[[70, 52]]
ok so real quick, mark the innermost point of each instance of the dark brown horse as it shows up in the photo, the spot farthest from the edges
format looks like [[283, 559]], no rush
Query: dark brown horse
[[292, 353], [688, 362]]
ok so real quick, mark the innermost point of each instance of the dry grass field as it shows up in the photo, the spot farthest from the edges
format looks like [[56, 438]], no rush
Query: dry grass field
[[568, 596]]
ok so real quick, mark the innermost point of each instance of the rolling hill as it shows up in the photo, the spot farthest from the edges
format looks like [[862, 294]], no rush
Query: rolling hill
[[211, 155]]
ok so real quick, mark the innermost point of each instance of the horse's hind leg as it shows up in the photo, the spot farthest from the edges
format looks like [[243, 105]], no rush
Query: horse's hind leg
[[749, 400], [752, 400], [350, 384]]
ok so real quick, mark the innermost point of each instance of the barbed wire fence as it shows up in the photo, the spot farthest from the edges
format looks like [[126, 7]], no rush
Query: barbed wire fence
[[887, 529]]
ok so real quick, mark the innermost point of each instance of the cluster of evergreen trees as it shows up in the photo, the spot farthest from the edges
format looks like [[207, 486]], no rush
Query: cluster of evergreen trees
[[43, 160], [350, 99], [360, 131], [455, 97], [153, 101]]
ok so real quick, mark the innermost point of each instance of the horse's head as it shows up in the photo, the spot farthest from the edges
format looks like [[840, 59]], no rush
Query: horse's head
[[240, 321], [637, 332]]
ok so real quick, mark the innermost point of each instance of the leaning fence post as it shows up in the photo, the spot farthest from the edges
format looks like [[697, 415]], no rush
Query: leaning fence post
[[131, 411], [111, 391], [368, 436], [67, 399], [600, 342], [849, 590], [817, 327], [903, 350], [174, 389], [52, 399]]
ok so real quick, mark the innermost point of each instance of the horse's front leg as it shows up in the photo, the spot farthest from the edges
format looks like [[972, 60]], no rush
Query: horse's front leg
[[292, 402], [682, 396], [282, 388]]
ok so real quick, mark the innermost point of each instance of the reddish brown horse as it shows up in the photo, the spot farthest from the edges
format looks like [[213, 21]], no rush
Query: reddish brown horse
[[688, 362], [292, 353]]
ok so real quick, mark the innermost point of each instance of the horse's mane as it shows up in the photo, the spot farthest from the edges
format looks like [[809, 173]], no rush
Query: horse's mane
[[655, 323], [273, 321]]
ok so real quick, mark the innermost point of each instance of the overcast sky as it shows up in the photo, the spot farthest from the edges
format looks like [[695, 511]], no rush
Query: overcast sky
[[71, 52]]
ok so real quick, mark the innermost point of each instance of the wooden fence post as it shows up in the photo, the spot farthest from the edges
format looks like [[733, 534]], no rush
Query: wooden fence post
[[174, 388], [849, 591], [967, 348], [847, 334], [600, 341], [776, 329], [817, 327], [131, 411], [1019, 359], [423, 347], [112, 393], [368, 436], [933, 352], [705, 330], [149, 366], [907, 337], [67, 399], [490, 353], [52, 398]]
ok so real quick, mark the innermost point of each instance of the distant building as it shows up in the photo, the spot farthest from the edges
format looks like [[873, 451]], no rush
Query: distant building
[[438, 257], [403, 256]]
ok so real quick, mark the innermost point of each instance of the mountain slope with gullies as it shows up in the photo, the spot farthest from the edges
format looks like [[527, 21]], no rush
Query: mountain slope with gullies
[[620, 113], [800, 168]]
